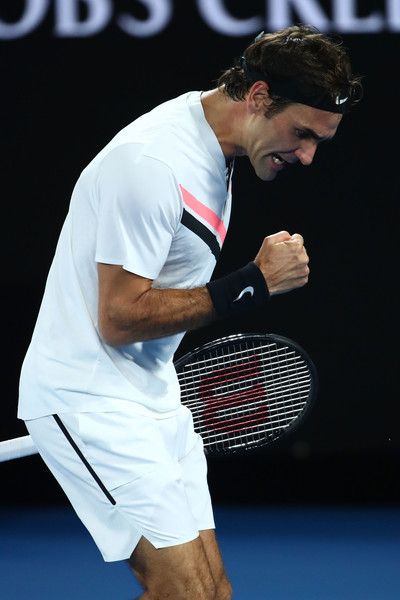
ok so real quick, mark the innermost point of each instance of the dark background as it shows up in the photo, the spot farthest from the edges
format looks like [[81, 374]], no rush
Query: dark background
[[63, 98]]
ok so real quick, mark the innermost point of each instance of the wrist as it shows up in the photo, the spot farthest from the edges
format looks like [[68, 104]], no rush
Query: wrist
[[243, 289]]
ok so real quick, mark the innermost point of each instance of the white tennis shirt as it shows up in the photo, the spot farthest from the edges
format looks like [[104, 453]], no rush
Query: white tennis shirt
[[156, 201]]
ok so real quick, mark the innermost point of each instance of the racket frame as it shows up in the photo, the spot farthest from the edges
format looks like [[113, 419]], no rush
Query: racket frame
[[279, 433]]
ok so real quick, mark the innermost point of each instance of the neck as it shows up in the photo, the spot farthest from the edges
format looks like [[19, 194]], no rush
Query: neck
[[225, 118]]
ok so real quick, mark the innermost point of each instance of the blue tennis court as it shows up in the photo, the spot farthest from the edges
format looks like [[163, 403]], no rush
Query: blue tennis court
[[303, 553]]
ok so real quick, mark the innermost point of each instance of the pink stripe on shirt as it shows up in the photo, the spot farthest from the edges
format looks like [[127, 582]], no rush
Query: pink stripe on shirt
[[204, 212]]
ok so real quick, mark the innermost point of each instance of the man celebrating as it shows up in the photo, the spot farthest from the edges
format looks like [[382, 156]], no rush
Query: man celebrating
[[131, 274]]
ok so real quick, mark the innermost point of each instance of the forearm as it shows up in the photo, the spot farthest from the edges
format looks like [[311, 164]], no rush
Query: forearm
[[154, 314], [131, 310]]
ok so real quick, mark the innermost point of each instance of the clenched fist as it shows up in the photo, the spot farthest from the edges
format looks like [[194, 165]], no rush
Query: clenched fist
[[283, 261]]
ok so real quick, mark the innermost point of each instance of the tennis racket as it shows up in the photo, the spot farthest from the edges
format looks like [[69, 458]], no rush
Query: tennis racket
[[244, 391]]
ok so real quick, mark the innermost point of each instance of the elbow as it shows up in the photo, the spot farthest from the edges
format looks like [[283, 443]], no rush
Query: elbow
[[113, 333], [112, 336], [120, 327]]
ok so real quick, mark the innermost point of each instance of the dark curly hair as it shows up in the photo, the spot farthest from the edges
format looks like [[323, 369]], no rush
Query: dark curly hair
[[318, 63]]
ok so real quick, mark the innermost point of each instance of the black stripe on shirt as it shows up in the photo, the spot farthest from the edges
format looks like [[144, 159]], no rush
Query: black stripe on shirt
[[189, 221]]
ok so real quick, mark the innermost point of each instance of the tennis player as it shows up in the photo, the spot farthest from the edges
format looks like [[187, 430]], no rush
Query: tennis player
[[131, 273]]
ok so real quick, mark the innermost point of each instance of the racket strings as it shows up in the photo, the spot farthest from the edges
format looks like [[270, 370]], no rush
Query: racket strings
[[229, 361], [280, 408], [190, 390], [234, 355], [248, 416], [291, 373], [244, 376], [244, 422], [241, 395], [251, 394]]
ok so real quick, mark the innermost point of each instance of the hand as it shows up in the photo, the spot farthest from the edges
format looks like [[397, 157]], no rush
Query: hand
[[283, 261]]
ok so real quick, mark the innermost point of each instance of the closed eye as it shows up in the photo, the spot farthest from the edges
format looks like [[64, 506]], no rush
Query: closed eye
[[309, 134], [303, 135]]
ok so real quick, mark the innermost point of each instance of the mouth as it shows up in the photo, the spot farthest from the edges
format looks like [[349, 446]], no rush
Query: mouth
[[278, 160]]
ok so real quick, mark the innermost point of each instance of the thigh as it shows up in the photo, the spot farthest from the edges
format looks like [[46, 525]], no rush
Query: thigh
[[194, 477], [88, 492], [122, 473]]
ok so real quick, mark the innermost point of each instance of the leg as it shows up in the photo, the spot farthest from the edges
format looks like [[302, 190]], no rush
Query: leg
[[180, 572], [210, 544]]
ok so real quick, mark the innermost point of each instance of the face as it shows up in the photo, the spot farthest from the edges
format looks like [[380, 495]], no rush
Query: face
[[286, 138]]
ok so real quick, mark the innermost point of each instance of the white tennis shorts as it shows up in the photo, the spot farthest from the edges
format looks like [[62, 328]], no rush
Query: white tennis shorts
[[129, 474]]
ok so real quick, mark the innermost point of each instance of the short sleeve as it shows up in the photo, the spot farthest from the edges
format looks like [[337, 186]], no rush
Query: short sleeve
[[139, 209]]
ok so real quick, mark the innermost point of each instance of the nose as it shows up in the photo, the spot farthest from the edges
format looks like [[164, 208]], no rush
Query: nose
[[306, 152]]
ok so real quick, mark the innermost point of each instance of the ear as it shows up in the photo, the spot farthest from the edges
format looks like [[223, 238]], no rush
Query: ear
[[258, 98]]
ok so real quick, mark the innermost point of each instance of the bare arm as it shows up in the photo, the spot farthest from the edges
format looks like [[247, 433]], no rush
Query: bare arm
[[130, 310]]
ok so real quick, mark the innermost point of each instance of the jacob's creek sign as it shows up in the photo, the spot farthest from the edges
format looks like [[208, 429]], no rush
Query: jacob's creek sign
[[146, 18]]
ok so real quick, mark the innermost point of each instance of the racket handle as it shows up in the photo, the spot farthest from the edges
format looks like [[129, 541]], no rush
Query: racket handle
[[17, 448]]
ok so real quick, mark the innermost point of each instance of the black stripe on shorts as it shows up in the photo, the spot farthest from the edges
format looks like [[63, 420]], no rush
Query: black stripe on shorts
[[83, 459]]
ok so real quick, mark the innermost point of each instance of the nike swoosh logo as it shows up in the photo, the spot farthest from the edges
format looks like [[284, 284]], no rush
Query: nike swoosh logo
[[247, 290], [341, 100]]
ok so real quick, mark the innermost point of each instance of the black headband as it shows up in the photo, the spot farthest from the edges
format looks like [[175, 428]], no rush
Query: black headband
[[289, 88]]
